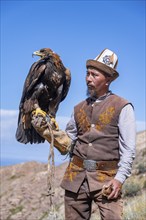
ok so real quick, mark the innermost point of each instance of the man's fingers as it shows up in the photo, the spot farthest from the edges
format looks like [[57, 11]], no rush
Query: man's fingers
[[114, 194], [111, 196]]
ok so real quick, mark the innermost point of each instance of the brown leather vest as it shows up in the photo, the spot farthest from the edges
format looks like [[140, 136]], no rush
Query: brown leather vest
[[97, 125]]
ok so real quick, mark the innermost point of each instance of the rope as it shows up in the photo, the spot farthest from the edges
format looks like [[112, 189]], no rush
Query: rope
[[51, 173]]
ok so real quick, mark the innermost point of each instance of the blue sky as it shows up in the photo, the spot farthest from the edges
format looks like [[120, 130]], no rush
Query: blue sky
[[77, 31]]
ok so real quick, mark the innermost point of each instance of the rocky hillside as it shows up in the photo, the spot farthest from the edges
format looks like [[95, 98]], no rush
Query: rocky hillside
[[23, 191]]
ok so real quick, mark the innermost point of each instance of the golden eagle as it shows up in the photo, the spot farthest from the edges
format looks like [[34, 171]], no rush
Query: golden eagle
[[46, 85]]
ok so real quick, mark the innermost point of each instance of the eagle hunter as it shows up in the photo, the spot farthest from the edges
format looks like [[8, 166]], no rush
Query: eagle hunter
[[46, 85]]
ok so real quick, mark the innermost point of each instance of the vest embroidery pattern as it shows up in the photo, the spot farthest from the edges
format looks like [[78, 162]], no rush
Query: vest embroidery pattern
[[105, 175], [71, 172], [83, 120], [103, 119]]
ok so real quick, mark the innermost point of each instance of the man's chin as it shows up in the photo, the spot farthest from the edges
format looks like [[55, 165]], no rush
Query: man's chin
[[91, 93]]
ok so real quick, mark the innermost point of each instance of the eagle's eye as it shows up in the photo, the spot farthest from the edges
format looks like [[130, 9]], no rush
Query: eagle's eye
[[42, 50]]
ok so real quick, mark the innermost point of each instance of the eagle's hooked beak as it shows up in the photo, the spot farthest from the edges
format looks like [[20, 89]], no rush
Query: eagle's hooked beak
[[37, 53]]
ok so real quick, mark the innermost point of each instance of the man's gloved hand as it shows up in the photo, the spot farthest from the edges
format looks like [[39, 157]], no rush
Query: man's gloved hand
[[44, 126]]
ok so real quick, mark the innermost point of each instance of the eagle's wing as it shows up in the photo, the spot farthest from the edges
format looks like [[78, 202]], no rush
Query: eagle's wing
[[61, 93], [66, 85], [36, 71], [29, 135]]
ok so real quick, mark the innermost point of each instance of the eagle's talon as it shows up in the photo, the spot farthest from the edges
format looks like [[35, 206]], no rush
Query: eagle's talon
[[39, 111], [54, 123]]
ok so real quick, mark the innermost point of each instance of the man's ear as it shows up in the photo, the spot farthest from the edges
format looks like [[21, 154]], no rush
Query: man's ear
[[108, 81]]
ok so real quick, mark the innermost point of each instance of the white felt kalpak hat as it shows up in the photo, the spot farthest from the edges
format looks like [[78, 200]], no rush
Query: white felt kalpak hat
[[107, 62]]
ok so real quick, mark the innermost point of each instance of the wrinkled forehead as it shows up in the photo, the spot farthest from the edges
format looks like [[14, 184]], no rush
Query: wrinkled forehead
[[95, 70]]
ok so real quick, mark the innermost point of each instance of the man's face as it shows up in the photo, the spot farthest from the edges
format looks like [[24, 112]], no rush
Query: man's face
[[97, 82]]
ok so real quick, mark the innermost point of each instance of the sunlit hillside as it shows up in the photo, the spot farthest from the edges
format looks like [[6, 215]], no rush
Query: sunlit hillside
[[23, 191]]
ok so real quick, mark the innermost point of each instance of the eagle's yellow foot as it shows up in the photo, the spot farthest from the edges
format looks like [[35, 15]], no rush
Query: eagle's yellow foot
[[54, 123], [39, 111]]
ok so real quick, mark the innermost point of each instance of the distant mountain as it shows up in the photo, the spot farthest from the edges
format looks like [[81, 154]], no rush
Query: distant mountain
[[24, 188]]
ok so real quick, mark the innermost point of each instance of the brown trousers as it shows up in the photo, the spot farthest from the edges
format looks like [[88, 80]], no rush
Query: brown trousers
[[78, 206]]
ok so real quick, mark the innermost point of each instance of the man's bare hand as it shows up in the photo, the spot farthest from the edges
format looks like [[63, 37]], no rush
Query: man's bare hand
[[116, 187]]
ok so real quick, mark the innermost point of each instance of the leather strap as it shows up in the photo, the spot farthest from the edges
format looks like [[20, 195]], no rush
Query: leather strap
[[92, 165]]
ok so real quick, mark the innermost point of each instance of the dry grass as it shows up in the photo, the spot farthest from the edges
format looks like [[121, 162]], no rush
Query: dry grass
[[135, 208]]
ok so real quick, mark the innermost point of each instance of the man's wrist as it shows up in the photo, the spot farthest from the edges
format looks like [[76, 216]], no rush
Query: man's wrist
[[120, 177]]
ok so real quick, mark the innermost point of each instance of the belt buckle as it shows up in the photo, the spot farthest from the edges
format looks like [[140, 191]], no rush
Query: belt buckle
[[90, 165]]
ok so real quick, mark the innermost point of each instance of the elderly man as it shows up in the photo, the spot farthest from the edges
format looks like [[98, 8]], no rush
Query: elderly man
[[101, 137]]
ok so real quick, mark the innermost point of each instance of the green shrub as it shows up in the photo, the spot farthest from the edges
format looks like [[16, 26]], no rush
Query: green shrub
[[131, 189], [16, 210], [141, 168], [144, 184]]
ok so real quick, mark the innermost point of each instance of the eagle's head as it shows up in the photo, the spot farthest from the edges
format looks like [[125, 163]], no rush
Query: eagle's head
[[47, 53], [43, 53]]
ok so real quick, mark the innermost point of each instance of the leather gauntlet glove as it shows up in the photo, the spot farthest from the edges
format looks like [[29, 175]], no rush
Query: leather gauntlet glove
[[45, 127]]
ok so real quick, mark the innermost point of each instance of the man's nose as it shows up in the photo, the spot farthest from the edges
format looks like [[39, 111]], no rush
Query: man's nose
[[88, 78]]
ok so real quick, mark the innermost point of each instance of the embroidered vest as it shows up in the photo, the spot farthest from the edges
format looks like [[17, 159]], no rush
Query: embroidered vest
[[97, 125]]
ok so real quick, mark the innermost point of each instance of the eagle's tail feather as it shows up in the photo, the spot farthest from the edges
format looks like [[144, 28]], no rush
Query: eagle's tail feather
[[28, 135], [21, 135]]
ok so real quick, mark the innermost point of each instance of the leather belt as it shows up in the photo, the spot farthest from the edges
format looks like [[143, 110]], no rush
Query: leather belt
[[92, 165]]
